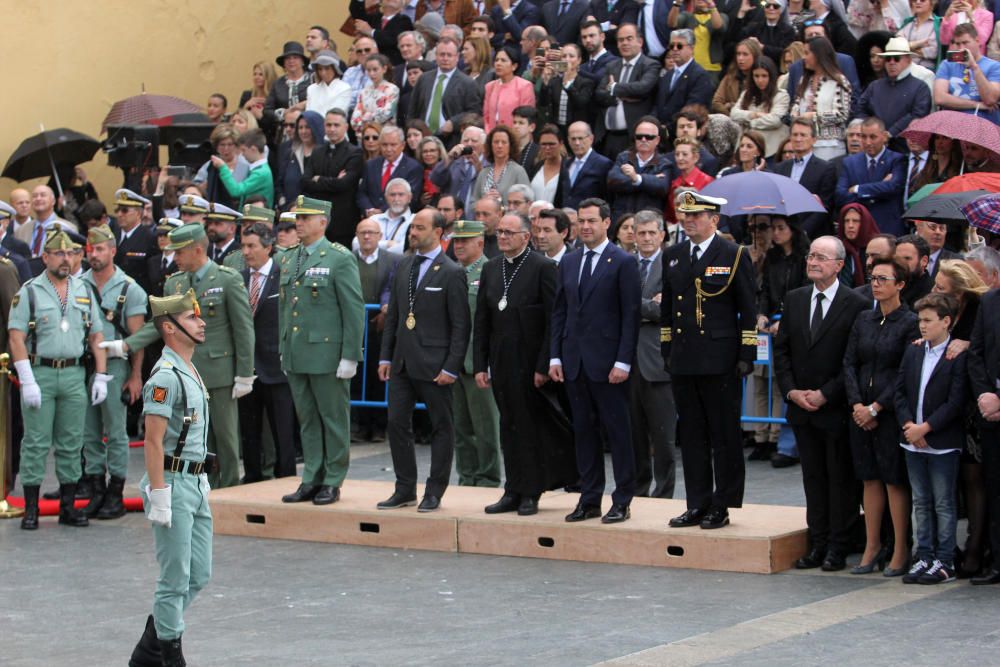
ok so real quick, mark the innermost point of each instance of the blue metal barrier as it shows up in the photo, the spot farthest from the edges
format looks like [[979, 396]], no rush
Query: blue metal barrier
[[765, 357], [363, 368]]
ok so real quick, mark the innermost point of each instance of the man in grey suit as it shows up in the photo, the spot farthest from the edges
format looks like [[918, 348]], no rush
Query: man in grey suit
[[654, 417], [426, 335], [444, 93]]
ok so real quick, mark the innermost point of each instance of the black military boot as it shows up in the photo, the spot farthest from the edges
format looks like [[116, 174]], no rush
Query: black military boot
[[147, 652], [51, 495], [68, 514], [171, 654], [30, 519], [114, 504], [84, 488], [99, 490]]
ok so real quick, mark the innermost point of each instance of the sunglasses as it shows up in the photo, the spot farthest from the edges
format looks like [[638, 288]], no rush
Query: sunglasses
[[289, 124], [812, 22], [892, 59], [373, 137], [645, 137], [677, 47]]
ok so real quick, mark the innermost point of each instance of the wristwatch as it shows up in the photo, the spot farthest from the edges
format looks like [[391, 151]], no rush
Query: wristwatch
[[872, 411]]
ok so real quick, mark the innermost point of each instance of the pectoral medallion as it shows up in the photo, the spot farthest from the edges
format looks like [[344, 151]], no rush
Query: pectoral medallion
[[411, 322], [502, 304]]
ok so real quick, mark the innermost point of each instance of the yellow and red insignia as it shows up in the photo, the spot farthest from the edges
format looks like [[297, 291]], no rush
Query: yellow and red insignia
[[159, 394]]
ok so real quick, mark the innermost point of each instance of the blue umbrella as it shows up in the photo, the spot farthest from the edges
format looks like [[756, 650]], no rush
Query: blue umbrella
[[762, 193]]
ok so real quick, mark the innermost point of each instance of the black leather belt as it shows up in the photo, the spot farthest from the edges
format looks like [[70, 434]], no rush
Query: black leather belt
[[54, 363], [174, 464]]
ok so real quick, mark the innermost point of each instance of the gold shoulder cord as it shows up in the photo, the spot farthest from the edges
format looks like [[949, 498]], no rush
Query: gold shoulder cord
[[701, 294]]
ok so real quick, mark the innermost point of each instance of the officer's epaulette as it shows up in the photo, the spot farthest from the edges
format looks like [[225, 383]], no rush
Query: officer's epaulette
[[340, 248], [175, 273], [229, 270], [166, 364], [129, 279], [5, 260]]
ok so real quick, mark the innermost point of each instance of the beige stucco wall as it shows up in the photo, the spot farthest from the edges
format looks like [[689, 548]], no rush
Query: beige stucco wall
[[65, 62]]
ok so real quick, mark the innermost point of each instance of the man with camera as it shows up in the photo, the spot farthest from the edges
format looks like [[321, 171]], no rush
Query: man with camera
[[966, 80]]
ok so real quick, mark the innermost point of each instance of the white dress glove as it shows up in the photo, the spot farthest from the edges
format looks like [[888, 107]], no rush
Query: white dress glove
[[159, 506], [347, 369], [242, 386], [99, 390], [31, 393], [114, 348]]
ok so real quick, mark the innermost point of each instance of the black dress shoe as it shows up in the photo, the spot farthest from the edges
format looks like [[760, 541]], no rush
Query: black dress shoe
[[302, 494], [811, 560], [690, 518], [327, 495], [583, 512], [991, 577], [397, 500], [716, 518], [508, 503], [617, 514], [780, 460], [429, 503], [834, 562], [528, 506]]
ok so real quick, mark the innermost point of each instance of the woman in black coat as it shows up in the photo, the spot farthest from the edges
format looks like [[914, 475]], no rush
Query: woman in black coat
[[871, 364], [784, 270], [579, 92]]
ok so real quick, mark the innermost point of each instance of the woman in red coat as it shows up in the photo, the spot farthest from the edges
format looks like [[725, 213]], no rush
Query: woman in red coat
[[686, 151]]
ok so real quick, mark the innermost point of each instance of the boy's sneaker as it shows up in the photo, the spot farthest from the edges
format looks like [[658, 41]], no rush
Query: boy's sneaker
[[938, 573], [918, 569]]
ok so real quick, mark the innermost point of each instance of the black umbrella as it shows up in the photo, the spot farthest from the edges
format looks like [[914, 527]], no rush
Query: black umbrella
[[38, 155], [943, 208]]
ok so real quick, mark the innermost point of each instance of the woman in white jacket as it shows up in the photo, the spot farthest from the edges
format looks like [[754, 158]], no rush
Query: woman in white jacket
[[329, 91], [762, 106], [823, 97]]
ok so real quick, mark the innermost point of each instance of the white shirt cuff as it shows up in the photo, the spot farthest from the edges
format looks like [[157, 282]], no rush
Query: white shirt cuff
[[555, 362], [623, 367]]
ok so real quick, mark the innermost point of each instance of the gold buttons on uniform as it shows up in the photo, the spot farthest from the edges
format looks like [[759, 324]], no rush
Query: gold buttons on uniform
[[678, 330], [295, 328], [295, 313], [680, 298], [679, 314]]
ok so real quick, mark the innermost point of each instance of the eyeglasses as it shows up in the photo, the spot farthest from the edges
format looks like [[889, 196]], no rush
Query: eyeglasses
[[646, 137], [289, 124], [892, 59], [677, 47], [882, 280], [772, 5], [815, 257], [60, 254], [510, 232]]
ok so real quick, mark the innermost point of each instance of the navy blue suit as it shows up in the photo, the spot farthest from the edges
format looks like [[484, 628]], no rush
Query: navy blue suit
[[661, 8], [591, 331], [596, 70], [525, 14], [370, 192], [565, 28], [883, 198], [592, 181], [945, 397], [695, 86]]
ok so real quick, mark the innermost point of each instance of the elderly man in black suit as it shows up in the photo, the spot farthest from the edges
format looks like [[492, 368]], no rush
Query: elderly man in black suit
[[270, 395], [332, 173], [136, 242], [625, 93], [683, 81], [814, 174], [809, 366], [443, 94], [377, 173], [426, 335], [585, 173]]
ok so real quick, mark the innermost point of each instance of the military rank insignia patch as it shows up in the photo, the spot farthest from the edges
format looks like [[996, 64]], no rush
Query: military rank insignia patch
[[159, 394]]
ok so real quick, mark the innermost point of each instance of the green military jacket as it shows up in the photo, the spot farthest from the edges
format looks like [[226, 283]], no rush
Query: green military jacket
[[135, 301], [49, 338], [321, 313], [472, 273], [162, 396], [235, 261], [225, 306]]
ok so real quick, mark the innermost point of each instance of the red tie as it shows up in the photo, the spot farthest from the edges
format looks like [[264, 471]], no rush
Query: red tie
[[384, 21], [255, 286], [386, 174], [36, 249]]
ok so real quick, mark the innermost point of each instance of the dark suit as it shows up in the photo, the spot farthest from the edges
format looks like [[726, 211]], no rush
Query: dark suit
[[654, 417], [703, 357], [158, 273], [341, 191], [694, 86], [945, 254], [461, 95], [661, 9], [883, 198], [565, 27], [375, 282], [594, 328], [656, 175], [17, 246], [133, 253], [594, 70], [800, 362], [523, 15], [387, 36], [636, 96], [624, 11], [437, 342], [984, 370], [218, 255], [21, 263], [820, 178], [945, 397], [270, 394], [591, 180], [370, 192], [578, 101]]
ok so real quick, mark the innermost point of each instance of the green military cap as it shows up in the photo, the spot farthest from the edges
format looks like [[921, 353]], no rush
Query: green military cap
[[185, 236], [193, 204], [693, 202], [99, 234], [220, 212], [125, 197], [308, 206], [258, 214], [175, 304], [468, 229], [57, 239]]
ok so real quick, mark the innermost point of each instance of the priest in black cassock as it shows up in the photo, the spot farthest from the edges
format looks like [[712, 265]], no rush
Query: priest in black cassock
[[511, 353]]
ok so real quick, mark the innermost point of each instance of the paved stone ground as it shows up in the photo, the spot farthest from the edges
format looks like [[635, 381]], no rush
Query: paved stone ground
[[80, 597]]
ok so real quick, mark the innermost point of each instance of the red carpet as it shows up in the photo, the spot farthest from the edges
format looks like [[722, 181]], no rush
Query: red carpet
[[51, 507]]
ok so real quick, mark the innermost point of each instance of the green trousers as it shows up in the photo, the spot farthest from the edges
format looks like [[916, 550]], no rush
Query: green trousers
[[224, 437], [477, 434], [183, 551], [55, 424], [107, 420], [323, 404]]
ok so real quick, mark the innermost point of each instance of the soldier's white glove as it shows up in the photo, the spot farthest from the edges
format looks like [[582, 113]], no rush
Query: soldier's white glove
[[99, 390], [31, 393], [115, 349], [159, 506], [242, 386], [347, 369]]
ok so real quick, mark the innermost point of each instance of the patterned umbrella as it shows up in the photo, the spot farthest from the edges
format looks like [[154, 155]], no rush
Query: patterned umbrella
[[984, 213], [145, 108], [956, 125]]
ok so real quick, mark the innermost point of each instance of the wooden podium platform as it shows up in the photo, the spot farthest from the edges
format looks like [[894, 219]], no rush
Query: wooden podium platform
[[762, 539]]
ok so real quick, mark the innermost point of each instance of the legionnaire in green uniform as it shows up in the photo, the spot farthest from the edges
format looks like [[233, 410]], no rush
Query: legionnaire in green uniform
[[123, 308], [477, 420], [226, 360], [321, 320], [251, 216], [175, 486], [52, 321], [193, 209]]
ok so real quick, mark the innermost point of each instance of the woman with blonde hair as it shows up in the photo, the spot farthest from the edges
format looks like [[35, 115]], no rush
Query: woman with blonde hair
[[243, 120], [792, 54], [264, 76], [478, 56]]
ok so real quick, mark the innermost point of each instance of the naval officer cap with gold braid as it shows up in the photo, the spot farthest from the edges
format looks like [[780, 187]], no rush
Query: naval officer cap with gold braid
[[693, 202], [125, 197], [193, 204]]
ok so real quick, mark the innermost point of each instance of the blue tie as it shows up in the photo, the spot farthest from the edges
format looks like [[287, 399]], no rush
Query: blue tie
[[588, 268]]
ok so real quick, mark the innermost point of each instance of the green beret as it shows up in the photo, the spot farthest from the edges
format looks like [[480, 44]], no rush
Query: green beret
[[175, 304], [258, 214], [185, 236], [468, 229], [57, 239], [99, 234], [308, 206]]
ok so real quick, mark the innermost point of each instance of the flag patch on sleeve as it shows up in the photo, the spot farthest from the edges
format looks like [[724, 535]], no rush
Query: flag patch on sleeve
[[159, 394]]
